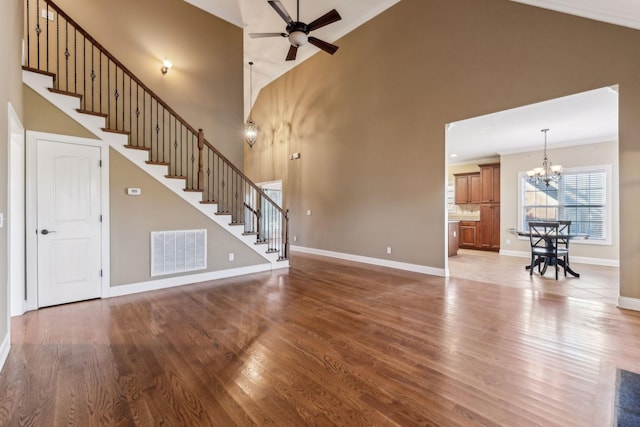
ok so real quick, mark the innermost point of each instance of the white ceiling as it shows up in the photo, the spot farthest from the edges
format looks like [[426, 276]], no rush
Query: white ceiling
[[583, 118], [590, 114]]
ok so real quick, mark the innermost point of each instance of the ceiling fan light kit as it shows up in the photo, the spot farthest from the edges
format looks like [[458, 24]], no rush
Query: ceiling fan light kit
[[298, 32]]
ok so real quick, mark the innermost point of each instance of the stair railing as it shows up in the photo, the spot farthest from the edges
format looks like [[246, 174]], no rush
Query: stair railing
[[57, 45]]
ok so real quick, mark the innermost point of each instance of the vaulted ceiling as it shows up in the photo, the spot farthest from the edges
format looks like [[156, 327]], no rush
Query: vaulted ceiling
[[256, 16], [268, 54]]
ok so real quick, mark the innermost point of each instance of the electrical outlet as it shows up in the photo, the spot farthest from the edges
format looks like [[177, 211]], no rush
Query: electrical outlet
[[295, 238], [1, 220], [309, 212], [232, 257], [508, 241], [388, 250]]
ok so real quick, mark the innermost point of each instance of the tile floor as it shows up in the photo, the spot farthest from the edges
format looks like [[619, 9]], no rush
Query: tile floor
[[597, 283]]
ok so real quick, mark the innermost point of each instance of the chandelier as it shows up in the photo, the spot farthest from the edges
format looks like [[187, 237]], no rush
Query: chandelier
[[250, 128], [548, 172]]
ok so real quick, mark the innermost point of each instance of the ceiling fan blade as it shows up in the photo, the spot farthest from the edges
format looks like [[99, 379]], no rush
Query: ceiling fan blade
[[327, 47], [281, 11], [326, 19], [259, 35], [293, 51]]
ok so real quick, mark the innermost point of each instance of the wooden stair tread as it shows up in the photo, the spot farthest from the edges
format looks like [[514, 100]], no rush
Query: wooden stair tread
[[175, 176], [223, 213], [152, 162], [237, 223], [250, 233], [64, 92], [35, 70], [209, 202], [122, 132], [135, 147], [92, 113], [193, 190]]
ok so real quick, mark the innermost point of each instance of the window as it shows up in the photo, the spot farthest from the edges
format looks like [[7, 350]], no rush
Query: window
[[582, 195]]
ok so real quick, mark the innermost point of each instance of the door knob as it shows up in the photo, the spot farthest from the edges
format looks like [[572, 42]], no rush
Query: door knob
[[45, 231]]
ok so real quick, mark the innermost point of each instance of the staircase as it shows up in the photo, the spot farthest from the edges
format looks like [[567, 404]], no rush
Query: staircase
[[70, 69]]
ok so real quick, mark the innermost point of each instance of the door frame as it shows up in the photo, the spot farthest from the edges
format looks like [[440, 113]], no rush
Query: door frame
[[16, 217], [31, 201]]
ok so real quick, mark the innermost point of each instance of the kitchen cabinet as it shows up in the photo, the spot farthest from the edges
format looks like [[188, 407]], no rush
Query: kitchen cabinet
[[489, 227], [454, 237], [468, 188], [468, 234], [490, 177]]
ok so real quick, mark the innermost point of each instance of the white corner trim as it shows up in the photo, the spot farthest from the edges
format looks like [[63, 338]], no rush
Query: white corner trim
[[190, 279], [629, 303], [4, 349], [375, 261]]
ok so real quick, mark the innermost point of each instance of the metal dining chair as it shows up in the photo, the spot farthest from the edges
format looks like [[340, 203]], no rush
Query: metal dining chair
[[547, 246]]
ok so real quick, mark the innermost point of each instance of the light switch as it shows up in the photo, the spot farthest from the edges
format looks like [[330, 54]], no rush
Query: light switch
[[134, 191], [1, 220]]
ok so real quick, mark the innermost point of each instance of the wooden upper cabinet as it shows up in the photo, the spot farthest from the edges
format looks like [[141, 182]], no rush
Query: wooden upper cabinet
[[490, 176], [468, 188], [475, 188]]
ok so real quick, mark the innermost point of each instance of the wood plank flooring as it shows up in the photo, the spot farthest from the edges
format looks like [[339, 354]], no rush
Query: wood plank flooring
[[328, 342]]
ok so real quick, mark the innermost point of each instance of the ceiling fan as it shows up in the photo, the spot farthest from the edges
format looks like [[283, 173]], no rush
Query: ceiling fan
[[298, 32]]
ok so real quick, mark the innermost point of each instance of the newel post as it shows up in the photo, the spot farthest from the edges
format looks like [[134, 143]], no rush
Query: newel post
[[200, 148]]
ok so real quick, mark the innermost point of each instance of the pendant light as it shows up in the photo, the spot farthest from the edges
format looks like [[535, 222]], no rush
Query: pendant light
[[250, 128]]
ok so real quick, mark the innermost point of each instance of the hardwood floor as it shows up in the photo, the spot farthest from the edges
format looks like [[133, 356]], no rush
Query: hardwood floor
[[328, 342]]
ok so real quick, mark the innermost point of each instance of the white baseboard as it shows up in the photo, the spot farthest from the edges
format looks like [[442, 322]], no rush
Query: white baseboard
[[579, 259], [629, 303], [4, 349], [171, 282], [375, 261]]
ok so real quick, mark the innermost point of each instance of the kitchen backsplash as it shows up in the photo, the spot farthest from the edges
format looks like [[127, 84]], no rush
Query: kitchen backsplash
[[464, 213]]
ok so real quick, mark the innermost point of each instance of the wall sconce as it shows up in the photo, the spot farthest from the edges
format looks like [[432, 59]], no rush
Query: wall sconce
[[166, 66]]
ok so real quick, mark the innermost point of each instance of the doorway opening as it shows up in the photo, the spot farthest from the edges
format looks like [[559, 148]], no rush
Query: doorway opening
[[583, 133]]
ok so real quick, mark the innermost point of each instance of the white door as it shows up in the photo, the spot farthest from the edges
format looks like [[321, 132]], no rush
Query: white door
[[68, 222]]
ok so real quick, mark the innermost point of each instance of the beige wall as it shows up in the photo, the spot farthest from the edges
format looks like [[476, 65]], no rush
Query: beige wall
[[584, 155], [40, 115], [205, 84], [10, 92], [133, 218], [369, 121]]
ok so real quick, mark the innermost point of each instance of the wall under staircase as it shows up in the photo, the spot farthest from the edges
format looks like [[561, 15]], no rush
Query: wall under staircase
[[249, 257]]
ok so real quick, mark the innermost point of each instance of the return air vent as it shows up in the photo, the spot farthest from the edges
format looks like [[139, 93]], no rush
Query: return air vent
[[178, 251]]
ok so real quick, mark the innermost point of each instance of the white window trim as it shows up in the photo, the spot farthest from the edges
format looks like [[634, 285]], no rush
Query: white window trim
[[608, 169]]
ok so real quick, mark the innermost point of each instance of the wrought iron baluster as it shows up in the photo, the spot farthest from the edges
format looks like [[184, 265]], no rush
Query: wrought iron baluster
[[84, 72], [130, 112], [67, 54], [157, 129], [116, 95], [46, 50], [28, 36], [137, 115], [124, 126], [75, 60]]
